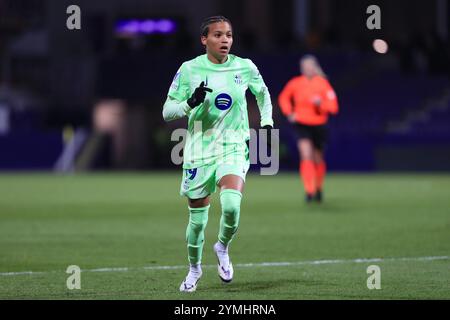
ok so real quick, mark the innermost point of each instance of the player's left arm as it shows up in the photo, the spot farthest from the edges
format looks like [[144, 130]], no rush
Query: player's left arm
[[262, 95], [329, 101]]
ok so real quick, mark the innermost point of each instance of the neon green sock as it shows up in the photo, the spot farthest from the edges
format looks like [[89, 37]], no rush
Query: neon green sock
[[230, 200], [195, 233]]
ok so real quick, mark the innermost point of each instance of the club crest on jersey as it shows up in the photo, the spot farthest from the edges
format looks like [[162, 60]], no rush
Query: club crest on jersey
[[223, 101], [238, 79]]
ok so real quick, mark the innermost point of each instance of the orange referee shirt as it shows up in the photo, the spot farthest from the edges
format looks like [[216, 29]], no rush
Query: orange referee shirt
[[298, 95]]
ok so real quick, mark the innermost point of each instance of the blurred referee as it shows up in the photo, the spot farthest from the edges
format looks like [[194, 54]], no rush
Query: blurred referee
[[307, 100]]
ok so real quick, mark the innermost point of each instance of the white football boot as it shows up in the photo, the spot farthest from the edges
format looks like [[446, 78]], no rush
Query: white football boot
[[189, 284], [224, 265]]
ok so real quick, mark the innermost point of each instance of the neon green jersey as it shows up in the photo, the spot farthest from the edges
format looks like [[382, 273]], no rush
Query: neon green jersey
[[219, 126]]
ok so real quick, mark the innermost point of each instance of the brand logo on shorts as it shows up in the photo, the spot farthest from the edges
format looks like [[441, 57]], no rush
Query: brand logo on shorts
[[223, 101]]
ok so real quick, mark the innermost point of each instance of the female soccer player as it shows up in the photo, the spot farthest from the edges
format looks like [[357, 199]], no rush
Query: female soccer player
[[210, 91], [307, 100]]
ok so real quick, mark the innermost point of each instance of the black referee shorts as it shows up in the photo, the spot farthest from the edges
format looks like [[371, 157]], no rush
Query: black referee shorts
[[317, 134]]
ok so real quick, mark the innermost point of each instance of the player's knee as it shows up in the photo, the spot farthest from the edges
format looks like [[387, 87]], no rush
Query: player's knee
[[197, 227], [306, 150], [230, 200], [230, 209], [198, 218]]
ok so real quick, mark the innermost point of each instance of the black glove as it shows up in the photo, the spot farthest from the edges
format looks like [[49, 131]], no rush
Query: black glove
[[269, 136], [198, 97]]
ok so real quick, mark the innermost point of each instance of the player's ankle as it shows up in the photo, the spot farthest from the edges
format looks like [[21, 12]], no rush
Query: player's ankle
[[221, 247], [195, 268]]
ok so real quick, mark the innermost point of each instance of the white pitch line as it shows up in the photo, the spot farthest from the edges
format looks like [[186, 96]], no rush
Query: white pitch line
[[21, 273], [243, 265]]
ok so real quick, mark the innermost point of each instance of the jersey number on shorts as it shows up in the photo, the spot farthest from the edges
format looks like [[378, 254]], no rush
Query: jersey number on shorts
[[192, 173]]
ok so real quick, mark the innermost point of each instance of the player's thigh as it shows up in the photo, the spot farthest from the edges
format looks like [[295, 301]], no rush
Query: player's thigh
[[306, 148], [197, 184], [318, 155], [305, 144], [198, 203], [231, 181], [319, 139], [232, 175]]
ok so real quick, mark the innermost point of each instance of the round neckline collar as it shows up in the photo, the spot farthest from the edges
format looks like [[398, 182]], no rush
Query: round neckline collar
[[225, 64]]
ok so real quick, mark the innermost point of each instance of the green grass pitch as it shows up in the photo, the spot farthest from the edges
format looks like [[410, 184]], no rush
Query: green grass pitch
[[137, 221]]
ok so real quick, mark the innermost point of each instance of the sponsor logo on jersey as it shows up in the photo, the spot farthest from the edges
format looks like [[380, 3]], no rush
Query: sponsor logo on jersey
[[223, 101]]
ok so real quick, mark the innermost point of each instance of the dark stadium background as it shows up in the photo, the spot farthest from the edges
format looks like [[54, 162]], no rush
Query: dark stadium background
[[91, 100], [86, 177]]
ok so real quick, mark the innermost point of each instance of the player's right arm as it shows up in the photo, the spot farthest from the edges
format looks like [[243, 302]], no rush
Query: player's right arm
[[176, 105]]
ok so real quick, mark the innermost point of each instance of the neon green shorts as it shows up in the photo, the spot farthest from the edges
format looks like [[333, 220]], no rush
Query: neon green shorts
[[202, 181]]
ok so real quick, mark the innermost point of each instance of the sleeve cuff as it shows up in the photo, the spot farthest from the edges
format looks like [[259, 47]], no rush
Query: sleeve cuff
[[267, 122], [186, 108]]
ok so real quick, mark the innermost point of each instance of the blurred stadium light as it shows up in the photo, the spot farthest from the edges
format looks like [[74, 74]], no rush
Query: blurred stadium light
[[133, 27]]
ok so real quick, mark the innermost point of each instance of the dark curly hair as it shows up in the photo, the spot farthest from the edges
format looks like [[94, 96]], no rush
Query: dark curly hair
[[204, 29]]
